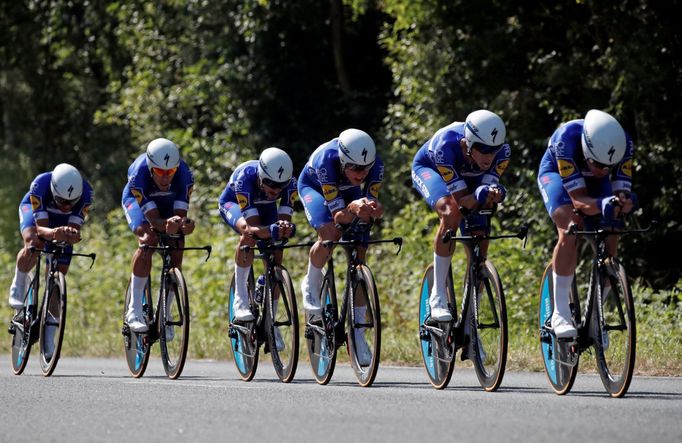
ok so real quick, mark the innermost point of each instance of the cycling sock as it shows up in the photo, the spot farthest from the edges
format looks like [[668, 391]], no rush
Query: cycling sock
[[441, 265], [137, 285], [315, 277], [562, 286], [241, 274]]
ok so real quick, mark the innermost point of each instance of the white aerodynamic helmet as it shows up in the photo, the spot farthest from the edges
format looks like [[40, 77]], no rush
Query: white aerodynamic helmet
[[66, 182], [356, 147], [603, 138], [484, 128], [275, 166], [163, 154]]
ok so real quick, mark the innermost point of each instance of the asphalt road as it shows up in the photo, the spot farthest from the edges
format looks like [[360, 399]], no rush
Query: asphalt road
[[91, 400]]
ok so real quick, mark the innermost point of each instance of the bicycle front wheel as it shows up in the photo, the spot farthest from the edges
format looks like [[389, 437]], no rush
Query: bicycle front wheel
[[174, 324], [490, 343], [321, 337], [136, 345], [364, 334], [52, 322], [437, 349], [243, 337], [615, 341], [24, 327], [282, 325], [560, 375]]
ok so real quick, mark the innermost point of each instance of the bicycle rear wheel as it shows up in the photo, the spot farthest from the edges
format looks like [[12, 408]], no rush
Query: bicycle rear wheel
[[438, 350], [23, 327], [243, 337], [615, 341], [283, 325], [52, 323], [136, 345], [490, 343], [561, 376], [321, 337], [367, 329], [174, 324]]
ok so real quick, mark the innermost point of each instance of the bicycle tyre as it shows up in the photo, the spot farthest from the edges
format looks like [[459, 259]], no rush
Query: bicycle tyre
[[22, 340], [371, 326], [322, 346], [439, 361], [244, 348], [56, 287], [560, 377], [174, 341], [137, 345], [285, 318], [490, 331], [616, 343]]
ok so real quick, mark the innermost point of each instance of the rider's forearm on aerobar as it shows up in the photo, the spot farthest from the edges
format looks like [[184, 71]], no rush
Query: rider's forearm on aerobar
[[468, 201], [587, 205]]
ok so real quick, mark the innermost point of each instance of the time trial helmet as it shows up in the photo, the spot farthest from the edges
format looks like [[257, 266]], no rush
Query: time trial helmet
[[603, 138], [275, 167], [162, 154], [484, 130], [66, 183], [356, 147]]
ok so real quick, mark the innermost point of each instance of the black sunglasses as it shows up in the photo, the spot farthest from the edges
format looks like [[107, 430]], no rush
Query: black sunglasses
[[359, 168], [64, 202], [486, 149], [273, 184], [598, 165]]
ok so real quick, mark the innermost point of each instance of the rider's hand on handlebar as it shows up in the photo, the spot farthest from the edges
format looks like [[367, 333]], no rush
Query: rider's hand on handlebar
[[188, 226], [282, 229], [363, 208], [173, 224]]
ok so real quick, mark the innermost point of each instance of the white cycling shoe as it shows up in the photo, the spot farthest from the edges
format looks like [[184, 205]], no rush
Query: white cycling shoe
[[279, 342], [439, 308], [241, 309], [136, 322], [16, 296], [311, 303], [563, 328], [362, 352]]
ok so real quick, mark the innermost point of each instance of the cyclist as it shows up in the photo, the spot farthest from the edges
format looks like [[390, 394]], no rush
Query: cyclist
[[460, 166], [54, 208], [588, 167], [155, 200], [340, 182], [249, 206]]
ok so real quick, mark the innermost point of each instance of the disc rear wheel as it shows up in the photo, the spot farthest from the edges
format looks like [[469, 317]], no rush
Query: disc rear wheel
[[243, 337], [136, 344], [24, 326], [282, 325], [364, 327], [321, 337]]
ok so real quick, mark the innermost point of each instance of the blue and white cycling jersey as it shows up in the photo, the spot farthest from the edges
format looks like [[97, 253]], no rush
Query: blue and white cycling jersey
[[325, 189], [440, 168], [563, 169], [141, 194], [243, 197], [38, 204]]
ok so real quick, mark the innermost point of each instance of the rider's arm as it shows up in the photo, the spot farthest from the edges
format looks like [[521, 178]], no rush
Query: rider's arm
[[70, 233], [584, 203]]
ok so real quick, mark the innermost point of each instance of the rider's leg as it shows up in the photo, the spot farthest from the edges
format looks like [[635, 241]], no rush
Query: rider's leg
[[242, 265], [25, 262], [564, 261], [449, 215], [319, 254]]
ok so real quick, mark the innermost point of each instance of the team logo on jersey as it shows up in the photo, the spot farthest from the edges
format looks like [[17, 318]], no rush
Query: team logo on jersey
[[35, 202], [626, 168], [374, 189], [243, 200], [446, 172], [293, 197], [566, 168], [330, 192], [501, 167], [138, 195]]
